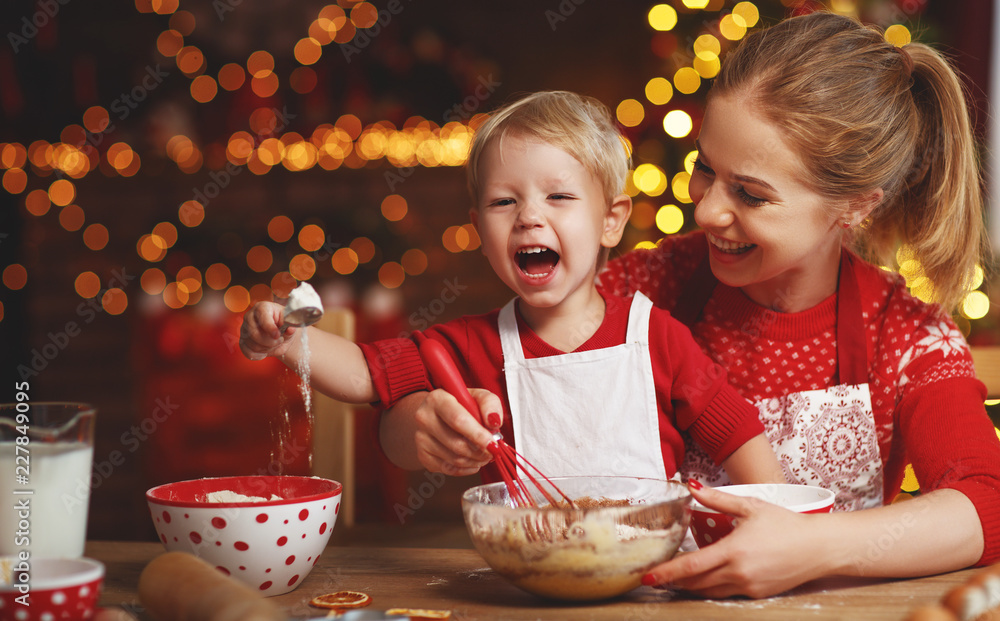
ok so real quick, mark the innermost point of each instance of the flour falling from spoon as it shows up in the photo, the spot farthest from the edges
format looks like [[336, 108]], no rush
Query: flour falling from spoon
[[304, 308]]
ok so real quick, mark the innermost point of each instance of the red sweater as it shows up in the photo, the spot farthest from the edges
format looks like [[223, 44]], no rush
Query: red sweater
[[691, 391], [928, 404]]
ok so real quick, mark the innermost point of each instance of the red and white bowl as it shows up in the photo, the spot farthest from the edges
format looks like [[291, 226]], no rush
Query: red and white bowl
[[58, 588], [708, 525], [270, 545]]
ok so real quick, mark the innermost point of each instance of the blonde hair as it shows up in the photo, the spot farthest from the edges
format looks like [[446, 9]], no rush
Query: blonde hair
[[864, 114], [579, 125]]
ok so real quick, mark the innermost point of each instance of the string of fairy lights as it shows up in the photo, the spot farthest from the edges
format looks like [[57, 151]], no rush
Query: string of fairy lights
[[55, 169]]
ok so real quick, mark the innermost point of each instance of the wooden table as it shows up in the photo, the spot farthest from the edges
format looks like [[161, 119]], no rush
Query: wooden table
[[459, 580]]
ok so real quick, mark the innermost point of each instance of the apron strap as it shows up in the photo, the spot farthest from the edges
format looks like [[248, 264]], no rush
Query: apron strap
[[852, 349]]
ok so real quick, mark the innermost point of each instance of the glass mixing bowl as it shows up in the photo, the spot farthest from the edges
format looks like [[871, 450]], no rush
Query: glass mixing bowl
[[622, 527]]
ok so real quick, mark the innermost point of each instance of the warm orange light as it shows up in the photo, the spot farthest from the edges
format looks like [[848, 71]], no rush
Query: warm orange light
[[114, 301], [151, 248], [311, 237], [40, 154], [167, 232], [344, 261], [183, 22], [174, 295], [364, 248], [15, 276], [265, 84], [95, 236], [394, 207], [350, 124], [472, 240], [15, 180], [120, 156], [307, 51], [62, 192], [13, 155], [72, 217], [153, 281], [190, 60], [37, 202], [280, 228], [303, 80], [260, 293], [218, 276], [190, 278], [96, 119], [204, 89], [259, 258], [414, 261], [345, 33], [302, 267], [169, 43], [191, 213], [87, 285], [260, 63], [231, 76], [449, 239], [364, 15], [263, 121], [391, 275], [164, 7], [144, 6], [282, 284]]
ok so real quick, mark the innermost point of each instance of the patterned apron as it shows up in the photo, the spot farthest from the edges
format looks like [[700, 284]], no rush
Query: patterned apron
[[586, 413], [821, 437]]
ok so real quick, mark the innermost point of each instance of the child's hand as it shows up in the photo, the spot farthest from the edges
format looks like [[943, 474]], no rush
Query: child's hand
[[451, 440], [261, 334]]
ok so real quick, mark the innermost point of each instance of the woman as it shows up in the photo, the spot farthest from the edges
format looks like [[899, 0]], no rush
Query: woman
[[822, 143]]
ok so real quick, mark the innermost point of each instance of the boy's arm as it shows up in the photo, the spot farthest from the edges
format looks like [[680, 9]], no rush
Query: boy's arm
[[754, 462], [336, 366]]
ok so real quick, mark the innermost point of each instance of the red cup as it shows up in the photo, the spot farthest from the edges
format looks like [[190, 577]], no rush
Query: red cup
[[708, 525], [57, 588]]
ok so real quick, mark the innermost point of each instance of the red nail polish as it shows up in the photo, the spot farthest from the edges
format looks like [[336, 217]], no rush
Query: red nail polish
[[493, 420], [649, 580], [695, 484]]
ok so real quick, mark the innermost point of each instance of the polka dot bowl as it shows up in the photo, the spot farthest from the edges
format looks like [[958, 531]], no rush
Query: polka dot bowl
[[270, 545], [59, 588], [708, 525]]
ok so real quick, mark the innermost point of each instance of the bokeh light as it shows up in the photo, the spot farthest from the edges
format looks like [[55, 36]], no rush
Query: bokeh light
[[394, 207], [659, 91], [662, 17], [669, 219], [677, 124], [15, 276], [87, 285], [630, 113]]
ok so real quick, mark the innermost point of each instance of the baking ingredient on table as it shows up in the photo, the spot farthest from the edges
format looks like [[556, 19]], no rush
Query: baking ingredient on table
[[178, 586], [58, 501], [231, 496], [341, 600], [420, 614]]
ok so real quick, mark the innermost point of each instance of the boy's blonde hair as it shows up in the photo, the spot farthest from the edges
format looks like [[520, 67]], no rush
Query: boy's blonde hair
[[579, 125]]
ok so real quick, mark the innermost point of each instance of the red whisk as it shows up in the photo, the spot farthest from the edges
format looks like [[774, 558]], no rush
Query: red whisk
[[445, 375]]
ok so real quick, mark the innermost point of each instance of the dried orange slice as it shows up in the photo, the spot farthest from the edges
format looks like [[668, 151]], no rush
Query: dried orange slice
[[420, 614], [341, 600]]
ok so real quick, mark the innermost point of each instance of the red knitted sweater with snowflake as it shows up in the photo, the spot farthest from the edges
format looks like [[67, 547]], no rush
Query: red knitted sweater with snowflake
[[927, 403]]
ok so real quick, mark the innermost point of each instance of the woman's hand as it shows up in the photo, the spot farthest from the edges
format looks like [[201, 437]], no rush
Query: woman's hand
[[769, 551], [261, 335], [448, 438]]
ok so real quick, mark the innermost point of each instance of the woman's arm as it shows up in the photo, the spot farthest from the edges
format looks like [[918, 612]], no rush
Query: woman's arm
[[772, 549], [432, 430]]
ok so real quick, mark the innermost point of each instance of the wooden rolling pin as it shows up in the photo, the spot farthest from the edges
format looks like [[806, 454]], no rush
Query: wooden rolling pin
[[177, 586]]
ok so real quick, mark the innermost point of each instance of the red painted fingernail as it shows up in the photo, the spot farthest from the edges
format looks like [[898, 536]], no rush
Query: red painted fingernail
[[695, 484], [648, 580], [493, 420]]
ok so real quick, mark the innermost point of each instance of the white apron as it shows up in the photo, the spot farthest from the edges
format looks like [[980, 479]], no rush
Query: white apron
[[821, 437], [586, 413]]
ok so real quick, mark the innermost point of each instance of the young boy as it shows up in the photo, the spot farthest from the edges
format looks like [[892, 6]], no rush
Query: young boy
[[590, 384]]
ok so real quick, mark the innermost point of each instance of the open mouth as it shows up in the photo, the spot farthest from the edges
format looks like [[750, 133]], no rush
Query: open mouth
[[536, 261], [730, 247]]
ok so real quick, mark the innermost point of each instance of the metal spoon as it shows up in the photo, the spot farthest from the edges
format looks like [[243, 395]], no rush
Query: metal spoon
[[300, 317]]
